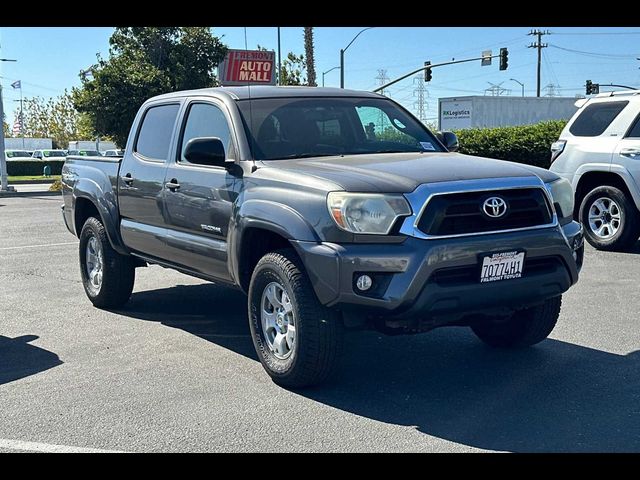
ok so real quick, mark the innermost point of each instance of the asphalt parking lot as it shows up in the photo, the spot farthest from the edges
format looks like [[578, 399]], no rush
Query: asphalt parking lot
[[175, 369]]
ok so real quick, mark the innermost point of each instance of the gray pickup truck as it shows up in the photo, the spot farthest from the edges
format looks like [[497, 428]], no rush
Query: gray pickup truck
[[332, 209]]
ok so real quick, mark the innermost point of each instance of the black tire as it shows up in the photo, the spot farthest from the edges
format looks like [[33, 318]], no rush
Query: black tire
[[523, 328], [629, 229], [318, 337], [118, 271]]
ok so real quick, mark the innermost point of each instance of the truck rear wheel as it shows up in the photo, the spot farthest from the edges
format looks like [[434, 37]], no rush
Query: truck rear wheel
[[610, 218], [107, 276], [523, 328], [297, 339]]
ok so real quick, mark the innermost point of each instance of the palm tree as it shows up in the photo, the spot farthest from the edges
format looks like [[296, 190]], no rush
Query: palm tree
[[309, 57]]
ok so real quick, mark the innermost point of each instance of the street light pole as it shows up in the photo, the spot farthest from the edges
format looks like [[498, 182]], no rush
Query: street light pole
[[521, 84], [342, 50], [324, 73], [4, 185]]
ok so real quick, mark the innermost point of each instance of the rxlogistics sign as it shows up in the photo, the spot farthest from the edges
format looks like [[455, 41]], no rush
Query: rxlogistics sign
[[455, 114], [242, 67]]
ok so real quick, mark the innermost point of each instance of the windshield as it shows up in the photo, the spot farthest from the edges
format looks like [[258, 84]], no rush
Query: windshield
[[17, 153], [53, 153], [280, 128]]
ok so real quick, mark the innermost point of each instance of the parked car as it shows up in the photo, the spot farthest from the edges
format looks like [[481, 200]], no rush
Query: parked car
[[289, 194], [17, 155], [114, 153], [49, 154], [599, 153], [85, 153]]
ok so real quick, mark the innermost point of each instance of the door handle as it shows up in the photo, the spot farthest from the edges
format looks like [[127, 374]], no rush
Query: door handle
[[128, 179], [630, 152], [173, 185]]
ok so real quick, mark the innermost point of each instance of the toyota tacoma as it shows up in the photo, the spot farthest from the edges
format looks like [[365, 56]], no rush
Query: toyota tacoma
[[332, 209]]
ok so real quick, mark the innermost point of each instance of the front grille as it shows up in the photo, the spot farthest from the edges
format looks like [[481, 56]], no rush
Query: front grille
[[461, 213], [468, 274]]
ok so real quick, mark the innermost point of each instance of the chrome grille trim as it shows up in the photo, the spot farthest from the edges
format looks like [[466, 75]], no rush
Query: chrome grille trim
[[421, 196]]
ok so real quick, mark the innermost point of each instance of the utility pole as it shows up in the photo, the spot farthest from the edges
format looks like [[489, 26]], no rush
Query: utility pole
[[279, 59], [420, 91], [496, 90], [382, 79], [539, 45], [551, 90]]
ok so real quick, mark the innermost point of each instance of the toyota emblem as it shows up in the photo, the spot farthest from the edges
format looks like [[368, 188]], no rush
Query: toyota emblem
[[494, 207]]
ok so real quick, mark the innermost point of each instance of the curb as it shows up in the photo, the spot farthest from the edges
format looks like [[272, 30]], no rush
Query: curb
[[31, 182], [30, 194]]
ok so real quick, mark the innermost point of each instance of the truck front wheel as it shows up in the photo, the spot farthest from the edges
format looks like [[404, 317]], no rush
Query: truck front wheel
[[297, 339], [107, 276], [523, 328]]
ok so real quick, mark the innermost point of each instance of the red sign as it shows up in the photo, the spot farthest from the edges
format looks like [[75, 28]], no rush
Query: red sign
[[242, 67]]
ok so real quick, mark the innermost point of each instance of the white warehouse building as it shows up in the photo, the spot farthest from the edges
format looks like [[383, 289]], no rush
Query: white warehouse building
[[501, 111]]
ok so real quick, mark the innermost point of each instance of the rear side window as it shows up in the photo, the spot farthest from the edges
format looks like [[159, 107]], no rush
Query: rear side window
[[154, 137], [635, 130], [595, 118]]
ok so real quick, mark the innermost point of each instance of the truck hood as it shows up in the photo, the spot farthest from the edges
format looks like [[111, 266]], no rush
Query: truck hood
[[403, 172]]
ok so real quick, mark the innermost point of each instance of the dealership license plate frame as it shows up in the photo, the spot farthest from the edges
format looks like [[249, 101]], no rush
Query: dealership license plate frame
[[512, 255]]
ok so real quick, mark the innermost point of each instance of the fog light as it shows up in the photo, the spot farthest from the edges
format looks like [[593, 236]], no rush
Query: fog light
[[364, 282]]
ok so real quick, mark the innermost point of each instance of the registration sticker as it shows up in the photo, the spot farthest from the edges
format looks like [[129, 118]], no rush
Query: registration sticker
[[502, 266], [428, 146]]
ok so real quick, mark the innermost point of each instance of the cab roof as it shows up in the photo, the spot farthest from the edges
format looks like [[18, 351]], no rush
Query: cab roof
[[262, 91]]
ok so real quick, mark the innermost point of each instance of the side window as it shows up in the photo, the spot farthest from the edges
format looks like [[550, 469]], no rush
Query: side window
[[154, 137], [635, 130], [379, 127], [595, 118], [206, 120]]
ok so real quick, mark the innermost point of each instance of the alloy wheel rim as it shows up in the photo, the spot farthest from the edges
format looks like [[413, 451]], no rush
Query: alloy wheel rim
[[94, 262], [605, 218], [278, 320]]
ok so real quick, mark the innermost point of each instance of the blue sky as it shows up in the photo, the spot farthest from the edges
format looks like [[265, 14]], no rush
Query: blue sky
[[49, 59]]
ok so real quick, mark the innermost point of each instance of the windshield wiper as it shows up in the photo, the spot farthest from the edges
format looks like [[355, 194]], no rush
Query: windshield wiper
[[307, 155]]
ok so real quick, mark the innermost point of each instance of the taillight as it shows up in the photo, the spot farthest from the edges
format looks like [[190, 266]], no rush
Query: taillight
[[557, 148]]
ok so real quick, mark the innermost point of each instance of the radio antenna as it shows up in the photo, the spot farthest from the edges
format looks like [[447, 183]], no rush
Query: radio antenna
[[251, 139]]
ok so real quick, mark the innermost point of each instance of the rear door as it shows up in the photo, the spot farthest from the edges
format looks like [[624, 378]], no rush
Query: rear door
[[141, 180], [593, 136], [199, 198]]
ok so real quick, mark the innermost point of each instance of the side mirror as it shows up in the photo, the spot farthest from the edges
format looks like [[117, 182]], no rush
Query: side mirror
[[450, 140], [206, 151]]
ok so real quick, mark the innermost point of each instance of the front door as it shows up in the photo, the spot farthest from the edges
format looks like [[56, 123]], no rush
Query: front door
[[199, 199], [141, 182], [627, 152]]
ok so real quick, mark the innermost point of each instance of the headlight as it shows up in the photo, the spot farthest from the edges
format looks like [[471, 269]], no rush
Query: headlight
[[562, 194], [371, 213]]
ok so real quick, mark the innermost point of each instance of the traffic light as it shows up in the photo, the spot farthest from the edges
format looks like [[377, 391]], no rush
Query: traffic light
[[592, 88], [427, 72], [504, 58]]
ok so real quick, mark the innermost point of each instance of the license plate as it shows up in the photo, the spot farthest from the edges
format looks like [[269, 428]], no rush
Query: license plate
[[502, 266]]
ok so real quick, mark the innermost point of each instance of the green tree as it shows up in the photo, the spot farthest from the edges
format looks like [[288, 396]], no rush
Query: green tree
[[5, 129], [310, 57], [293, 71], [55, 118], [144, 62]]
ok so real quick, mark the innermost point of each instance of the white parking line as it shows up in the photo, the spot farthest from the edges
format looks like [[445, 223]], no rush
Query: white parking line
[[48, 447], [38, 246]]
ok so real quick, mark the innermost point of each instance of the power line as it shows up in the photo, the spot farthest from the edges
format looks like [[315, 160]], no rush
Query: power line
[[596, 33], [594, 54]]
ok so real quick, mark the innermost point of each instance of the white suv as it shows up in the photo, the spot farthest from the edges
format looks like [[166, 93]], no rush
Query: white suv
[[599, 153]]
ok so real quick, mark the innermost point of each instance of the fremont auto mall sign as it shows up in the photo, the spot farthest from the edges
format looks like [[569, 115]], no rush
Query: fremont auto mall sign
[[242, 67]]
